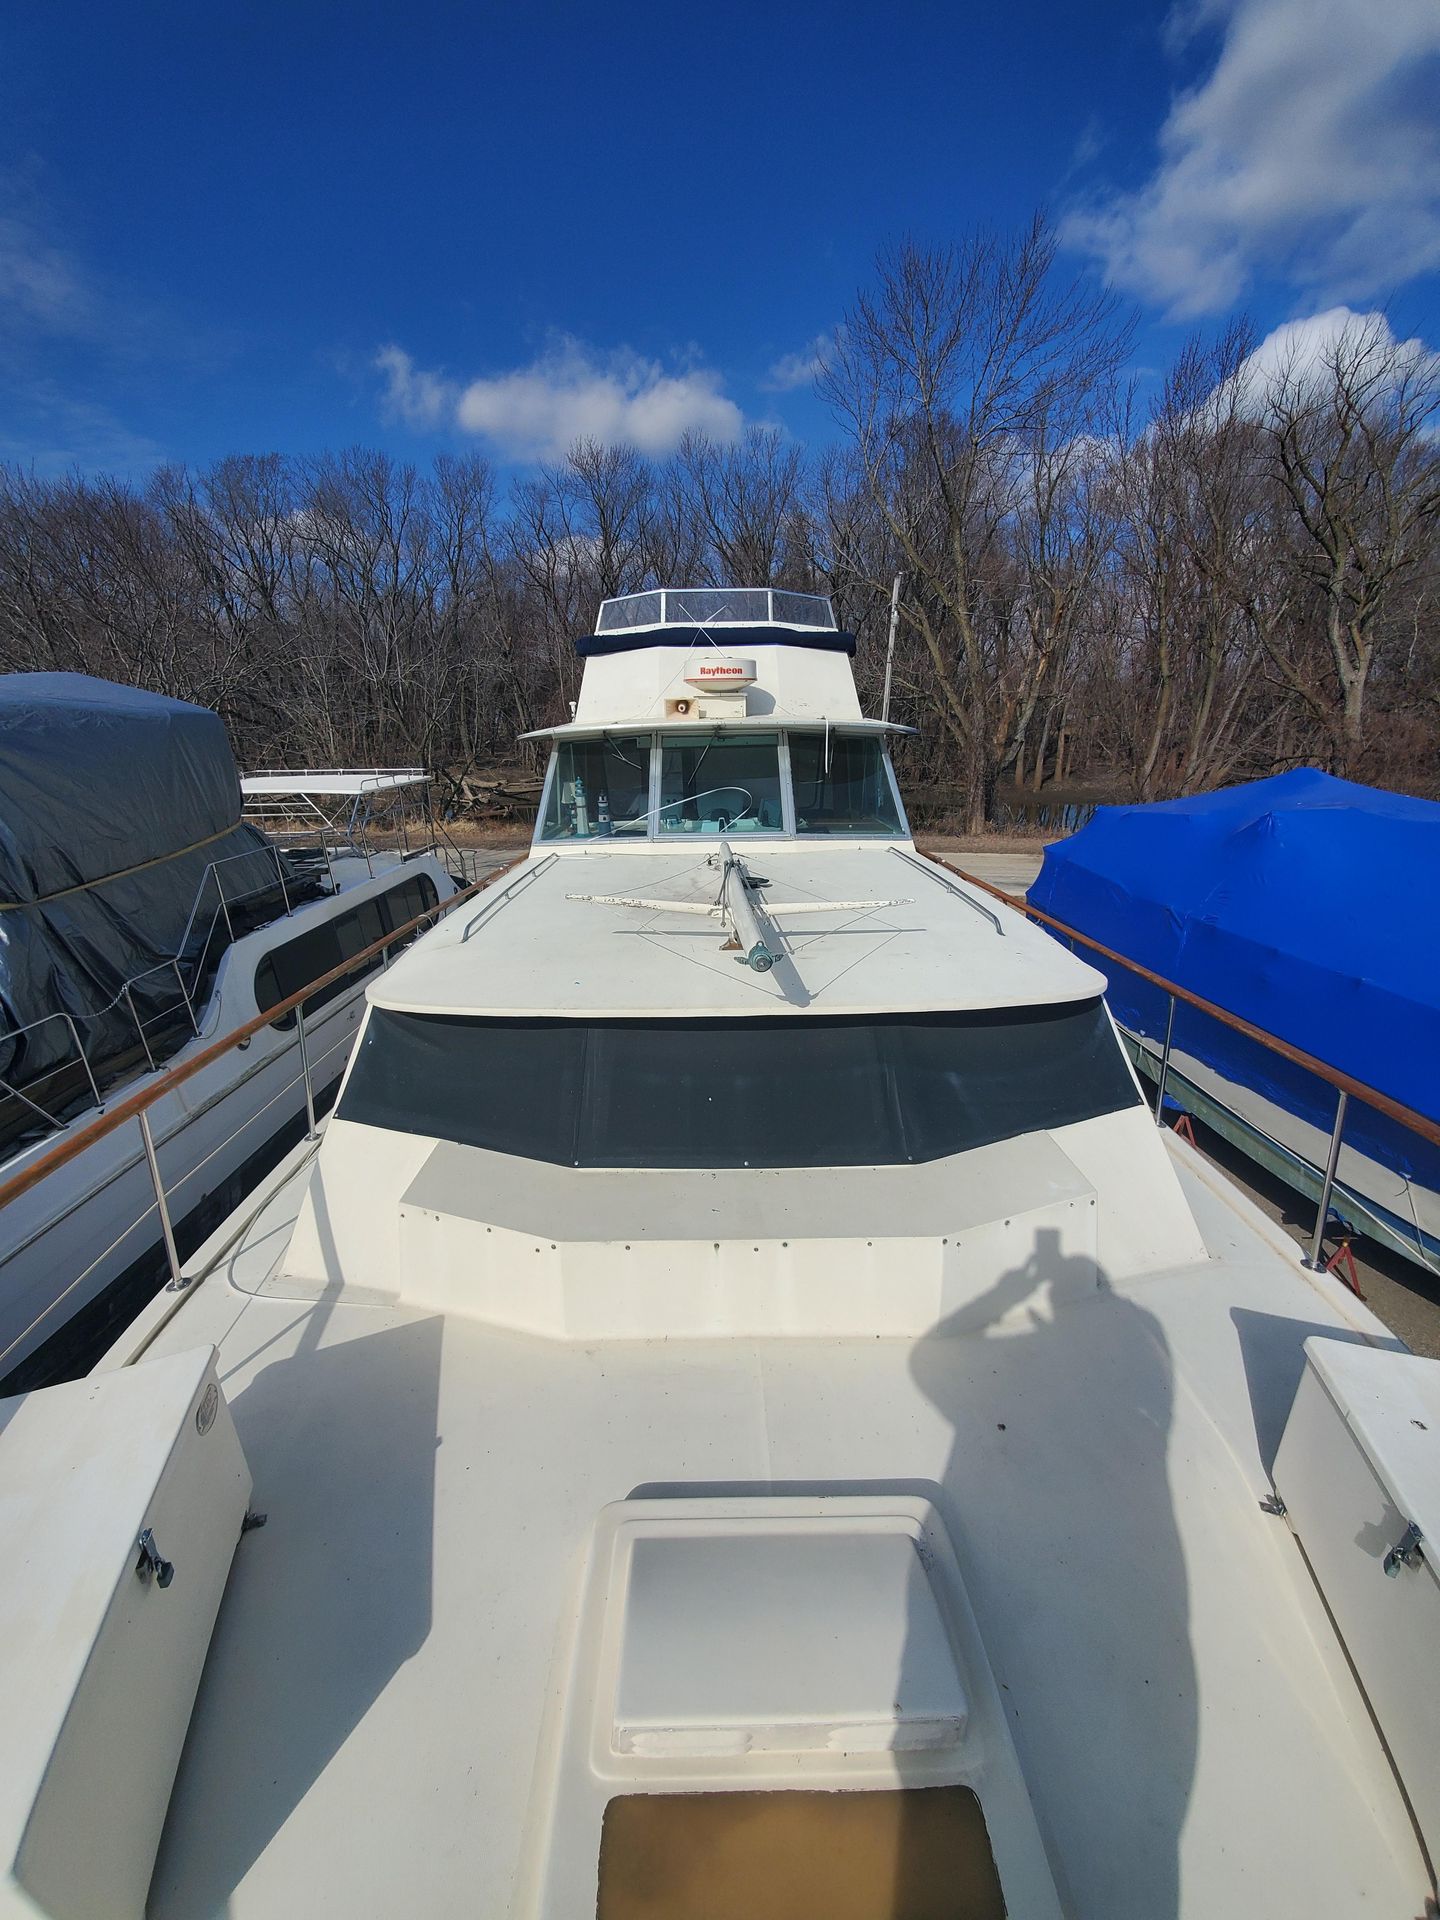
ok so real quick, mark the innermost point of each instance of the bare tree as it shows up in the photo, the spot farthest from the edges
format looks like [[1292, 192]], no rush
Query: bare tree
[[1355, 455], [744, 498], [947, 375], [1244, 576]]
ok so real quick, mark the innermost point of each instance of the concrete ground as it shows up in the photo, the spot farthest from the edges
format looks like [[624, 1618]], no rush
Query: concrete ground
[[1011, 870]]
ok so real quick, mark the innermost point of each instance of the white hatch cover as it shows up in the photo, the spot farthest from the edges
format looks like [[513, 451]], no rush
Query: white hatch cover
[[121, 1500], [784, 1637], [753, 1645], [1391, 1404], [1359, 1471]]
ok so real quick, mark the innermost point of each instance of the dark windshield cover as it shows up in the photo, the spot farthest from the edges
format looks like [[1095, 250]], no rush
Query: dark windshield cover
[[805, 1092]]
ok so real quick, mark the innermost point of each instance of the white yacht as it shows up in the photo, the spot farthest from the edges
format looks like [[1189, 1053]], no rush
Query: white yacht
[[750, 1417], [142, 970]]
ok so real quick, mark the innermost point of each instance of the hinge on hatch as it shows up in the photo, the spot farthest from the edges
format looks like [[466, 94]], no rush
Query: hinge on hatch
[[151, 1560], [1405, 1552]]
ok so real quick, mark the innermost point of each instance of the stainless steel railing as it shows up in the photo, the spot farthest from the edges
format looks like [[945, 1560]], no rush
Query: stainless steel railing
[[136, 1106], [226, 900], [1346, 1085]]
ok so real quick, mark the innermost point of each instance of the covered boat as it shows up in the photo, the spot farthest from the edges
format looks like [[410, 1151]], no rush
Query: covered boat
[[115, 806], [1299, 903], [141, 916]]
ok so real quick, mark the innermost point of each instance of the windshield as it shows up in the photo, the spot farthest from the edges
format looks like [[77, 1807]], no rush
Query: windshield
[[841, 785], [721, 784], [599, 788], [785, 1091]]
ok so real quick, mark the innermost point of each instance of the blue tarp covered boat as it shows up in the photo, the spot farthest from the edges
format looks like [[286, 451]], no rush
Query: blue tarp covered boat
[[1308, 906]]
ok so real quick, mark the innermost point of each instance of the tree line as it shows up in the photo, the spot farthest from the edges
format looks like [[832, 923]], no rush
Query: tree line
[[1234, 576]]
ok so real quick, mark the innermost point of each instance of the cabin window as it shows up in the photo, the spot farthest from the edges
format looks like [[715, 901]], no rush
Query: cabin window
[[295, 963], [599, 789], [779, 1092], [842, 785], [720, 783]]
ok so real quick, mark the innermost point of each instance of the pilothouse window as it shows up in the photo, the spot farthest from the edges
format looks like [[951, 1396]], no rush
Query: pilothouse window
[[842, 785], [599, 788], [721, 783]]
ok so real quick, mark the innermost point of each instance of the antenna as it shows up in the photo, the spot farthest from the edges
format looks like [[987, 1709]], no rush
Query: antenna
[[748, 920], [890, 643]]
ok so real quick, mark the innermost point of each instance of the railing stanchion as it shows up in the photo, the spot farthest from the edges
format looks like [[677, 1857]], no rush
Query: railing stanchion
[[1315, 1261], [176, 1282], [305, 1072], [84, 1060], [1164, 1065], [185, 996], [139, 1027]]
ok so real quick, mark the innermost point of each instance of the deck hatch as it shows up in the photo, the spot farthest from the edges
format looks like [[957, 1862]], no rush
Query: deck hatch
[[784, 1639]]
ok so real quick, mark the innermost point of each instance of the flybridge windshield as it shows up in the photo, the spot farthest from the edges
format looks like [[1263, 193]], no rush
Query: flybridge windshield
[[716, 606], [780, 1092], [655, 786]]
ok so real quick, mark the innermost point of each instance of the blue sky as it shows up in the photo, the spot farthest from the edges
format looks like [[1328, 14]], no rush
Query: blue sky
[[264, 227]]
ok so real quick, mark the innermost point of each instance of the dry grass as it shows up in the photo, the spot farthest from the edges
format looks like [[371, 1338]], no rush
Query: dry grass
[[1026, 839]]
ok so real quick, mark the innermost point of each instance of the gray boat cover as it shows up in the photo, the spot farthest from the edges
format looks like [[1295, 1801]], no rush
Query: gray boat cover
[[114, 803]]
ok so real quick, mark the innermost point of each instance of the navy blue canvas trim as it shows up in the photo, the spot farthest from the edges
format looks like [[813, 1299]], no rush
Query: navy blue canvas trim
[[725, 639]]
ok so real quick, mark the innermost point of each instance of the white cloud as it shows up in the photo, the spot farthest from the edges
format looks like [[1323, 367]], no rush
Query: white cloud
[[52, 432], [798, 369], [38, 284], [570, 393], [44, 292], [1311, 152], [1299, 360], [1302, 352], [418, 398], [61, 327]]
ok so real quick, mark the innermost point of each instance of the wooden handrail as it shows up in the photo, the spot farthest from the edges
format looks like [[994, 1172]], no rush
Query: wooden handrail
[[1343, 1082], [64, 1151]]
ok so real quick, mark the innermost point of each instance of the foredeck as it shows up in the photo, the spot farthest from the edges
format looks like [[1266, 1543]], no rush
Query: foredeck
[[371, 1715], [536, 945]]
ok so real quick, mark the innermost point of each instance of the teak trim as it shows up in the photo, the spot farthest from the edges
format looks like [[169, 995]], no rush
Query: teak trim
[[1343, 1082], [64, 1151]]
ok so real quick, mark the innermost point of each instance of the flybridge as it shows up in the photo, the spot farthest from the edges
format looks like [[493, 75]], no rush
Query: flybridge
[[718, 710], [715, 606], [687, 616]]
